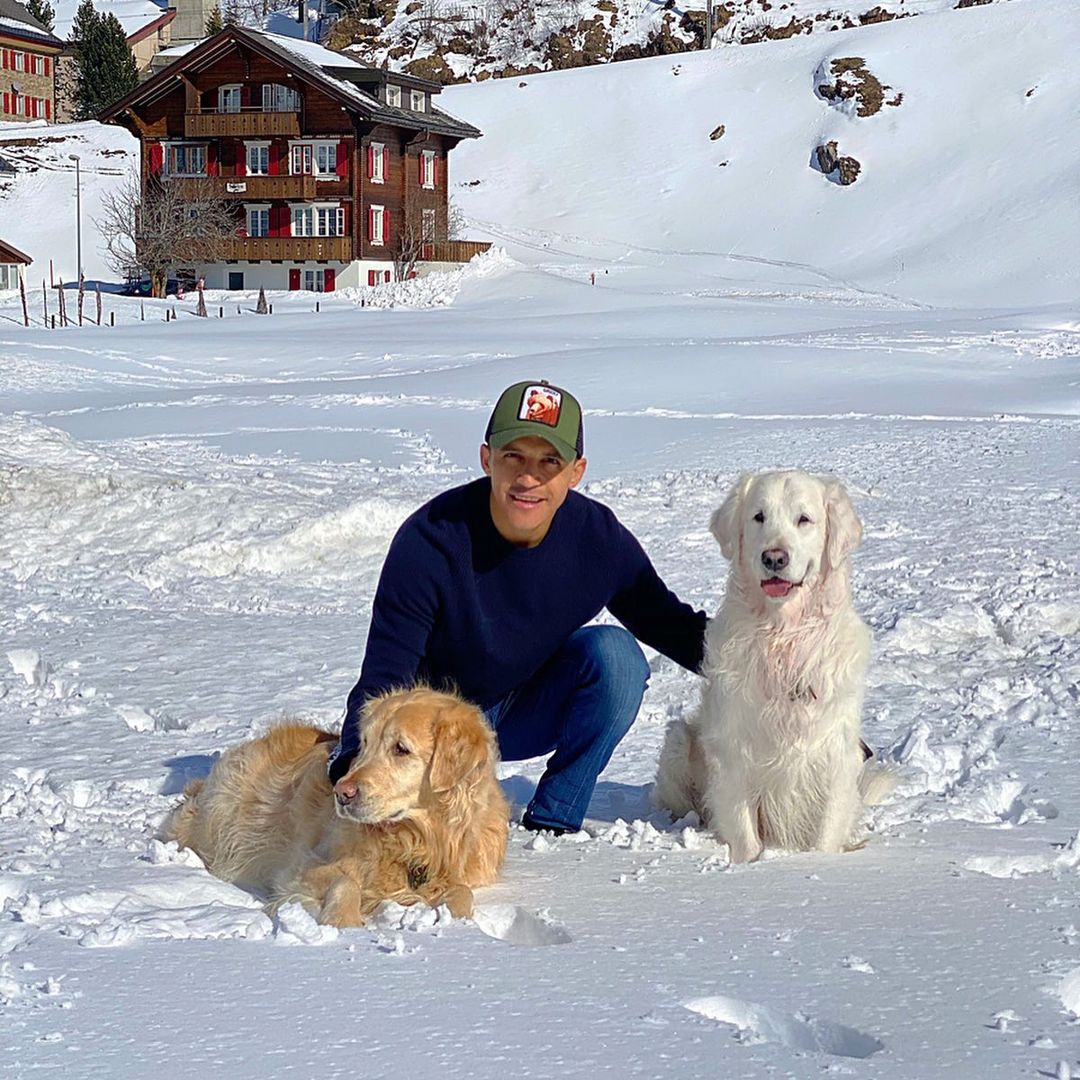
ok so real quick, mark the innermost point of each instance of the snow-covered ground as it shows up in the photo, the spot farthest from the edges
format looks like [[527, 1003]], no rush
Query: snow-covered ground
[[192, 519]]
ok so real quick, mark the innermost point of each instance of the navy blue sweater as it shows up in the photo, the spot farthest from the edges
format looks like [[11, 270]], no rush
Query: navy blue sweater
[[459, 606]]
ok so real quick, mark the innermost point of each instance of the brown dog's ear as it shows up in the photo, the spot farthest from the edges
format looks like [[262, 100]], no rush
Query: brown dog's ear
[[463, 743], [726, 523], [843, 529]]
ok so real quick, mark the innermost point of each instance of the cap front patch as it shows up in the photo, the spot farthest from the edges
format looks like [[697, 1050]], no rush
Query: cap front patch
[[541, 404]]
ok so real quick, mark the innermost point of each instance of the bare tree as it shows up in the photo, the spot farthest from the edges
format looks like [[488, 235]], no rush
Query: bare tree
[[170, 223], [417, 232]]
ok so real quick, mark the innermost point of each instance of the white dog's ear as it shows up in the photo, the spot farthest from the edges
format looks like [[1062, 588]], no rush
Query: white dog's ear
[[843, 529], [726, 523]]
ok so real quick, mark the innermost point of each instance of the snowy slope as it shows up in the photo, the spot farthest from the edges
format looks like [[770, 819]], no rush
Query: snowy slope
[[193, 515], [970, 188]]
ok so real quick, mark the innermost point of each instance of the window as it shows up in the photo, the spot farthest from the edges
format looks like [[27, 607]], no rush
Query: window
[[427, 169], [20, 61], [393, 96], [278, 98], [427, 226], [228, 99], [318, 158], [417, 100], [9, 276], [318, 221], [377, 162], [376, 225], [258, 159], [314, 280], [258, 220], [38, 63], [185, 160]]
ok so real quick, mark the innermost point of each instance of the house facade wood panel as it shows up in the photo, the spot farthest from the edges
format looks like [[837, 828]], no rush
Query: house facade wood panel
[[285, 131]]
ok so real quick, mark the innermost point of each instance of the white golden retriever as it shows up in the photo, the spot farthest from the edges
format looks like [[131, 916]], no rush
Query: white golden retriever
[[774, 756]]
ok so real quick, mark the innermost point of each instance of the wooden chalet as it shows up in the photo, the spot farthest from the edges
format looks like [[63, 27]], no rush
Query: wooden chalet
[[334, 168], [28, 53], [11, 260]]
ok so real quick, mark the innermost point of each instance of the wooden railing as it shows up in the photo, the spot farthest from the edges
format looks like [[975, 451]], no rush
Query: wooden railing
[[459, 251], [250, 188], [290, 248], [252, 123]]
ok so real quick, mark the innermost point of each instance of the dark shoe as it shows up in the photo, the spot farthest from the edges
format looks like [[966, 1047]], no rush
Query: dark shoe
[[535, 826], [867, 753]]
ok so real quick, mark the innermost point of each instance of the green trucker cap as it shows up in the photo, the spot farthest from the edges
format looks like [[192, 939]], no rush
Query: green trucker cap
[[540, 409]]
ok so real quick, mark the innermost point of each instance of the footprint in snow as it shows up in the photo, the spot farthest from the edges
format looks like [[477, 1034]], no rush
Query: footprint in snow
[[760, 1024]]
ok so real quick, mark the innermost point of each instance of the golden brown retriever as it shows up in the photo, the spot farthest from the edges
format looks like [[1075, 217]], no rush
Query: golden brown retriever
[[418, 816]]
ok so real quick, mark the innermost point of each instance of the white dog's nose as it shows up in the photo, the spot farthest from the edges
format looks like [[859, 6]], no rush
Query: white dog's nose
[[775, 559]]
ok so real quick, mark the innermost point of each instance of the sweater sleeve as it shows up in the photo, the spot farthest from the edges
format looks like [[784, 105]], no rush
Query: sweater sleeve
[[653, 613], [404, 611]]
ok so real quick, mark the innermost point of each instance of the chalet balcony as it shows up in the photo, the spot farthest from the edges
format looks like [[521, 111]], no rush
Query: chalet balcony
[[290, 248], [458, 251], [248, 123], [249, 188]]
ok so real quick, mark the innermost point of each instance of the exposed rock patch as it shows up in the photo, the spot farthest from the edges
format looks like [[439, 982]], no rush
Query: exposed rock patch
[[840, 169], [853, 81]]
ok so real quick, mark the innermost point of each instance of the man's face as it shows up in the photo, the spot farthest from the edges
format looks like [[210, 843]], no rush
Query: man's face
[[529, 482]]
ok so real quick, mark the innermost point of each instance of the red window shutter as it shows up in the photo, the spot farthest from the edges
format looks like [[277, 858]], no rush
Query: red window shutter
[[328, 279], [386, 226], [370, 161], [157, 157], [420, 172], [436, 166], [245, 97], [294, 278], [273, 164], [240, 151], [211, 159], [7, 106], [370, 224], [373, 277], [46, 65], [48, 109], [3, 60], [386, 275], [343, 160], [386, 164]]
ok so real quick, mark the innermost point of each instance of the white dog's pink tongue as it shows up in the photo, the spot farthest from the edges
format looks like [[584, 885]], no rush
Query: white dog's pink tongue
[[777, 587]]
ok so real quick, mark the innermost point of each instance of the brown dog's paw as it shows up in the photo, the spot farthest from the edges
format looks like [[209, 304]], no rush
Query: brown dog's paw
[[458, 898]]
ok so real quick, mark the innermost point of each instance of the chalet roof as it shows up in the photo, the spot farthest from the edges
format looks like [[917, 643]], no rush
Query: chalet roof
[[17, 21], [338, 75], [9, 254]]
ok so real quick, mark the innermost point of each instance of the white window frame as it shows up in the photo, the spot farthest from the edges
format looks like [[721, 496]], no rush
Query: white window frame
[[20, 60], [310, 151], [427, 157], [375, 222], [313, 280], [9, 275], [170, 155], [227, 93], [417, 101], [260, 209], [277, 97], [393, 95], [259, 146], [377, 150], [317, 219]]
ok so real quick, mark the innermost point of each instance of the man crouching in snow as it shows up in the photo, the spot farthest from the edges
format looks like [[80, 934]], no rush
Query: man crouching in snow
[[487, 588]]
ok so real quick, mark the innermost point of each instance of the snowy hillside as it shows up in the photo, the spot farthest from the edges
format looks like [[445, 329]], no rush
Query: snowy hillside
[[193, 515], [969, 188]]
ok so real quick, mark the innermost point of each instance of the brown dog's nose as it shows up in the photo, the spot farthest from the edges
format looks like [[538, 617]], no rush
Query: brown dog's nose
[[345, 791], [775, 559]]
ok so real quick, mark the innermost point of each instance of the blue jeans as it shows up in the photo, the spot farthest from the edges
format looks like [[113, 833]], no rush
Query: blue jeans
[[579, 705]]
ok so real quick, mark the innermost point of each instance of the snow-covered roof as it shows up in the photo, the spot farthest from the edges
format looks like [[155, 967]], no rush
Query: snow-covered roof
[[15, 19], [133, 15]]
